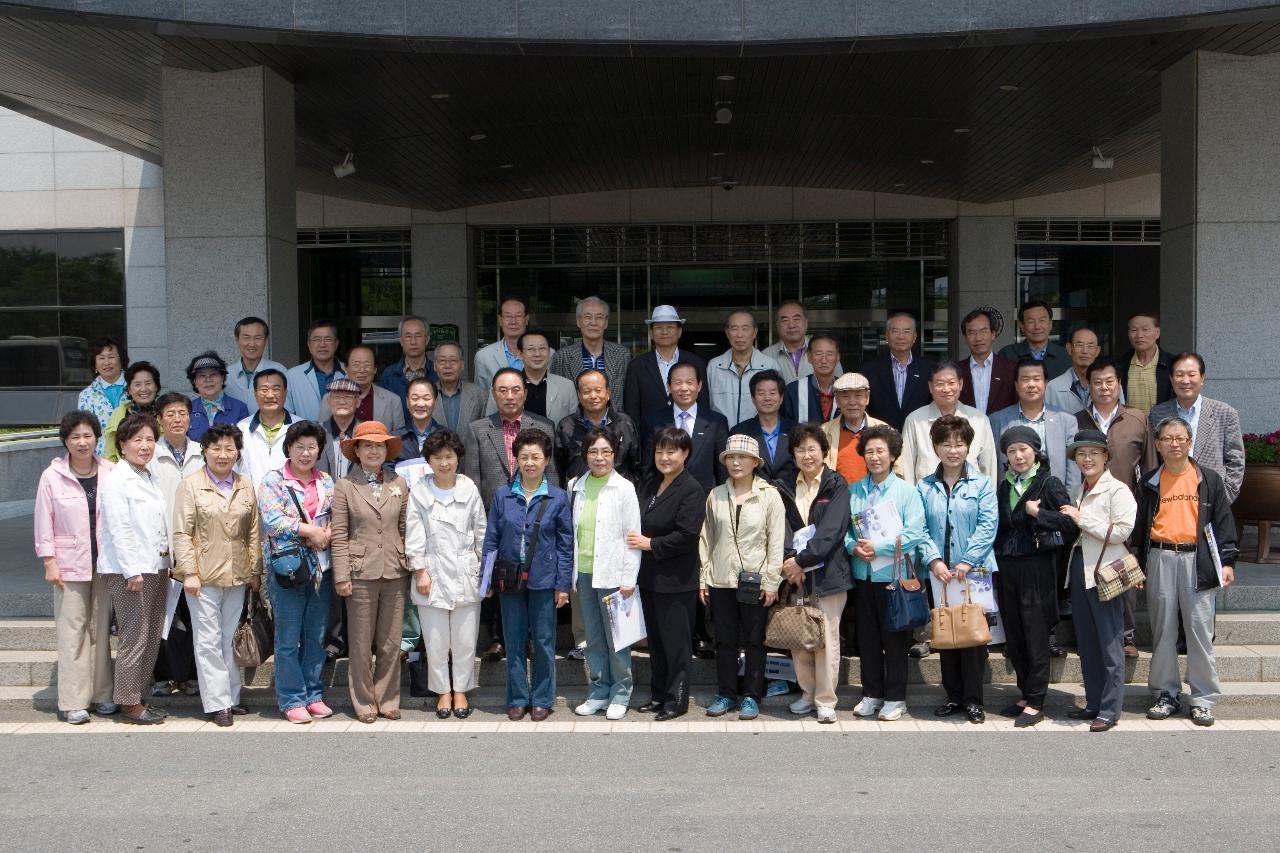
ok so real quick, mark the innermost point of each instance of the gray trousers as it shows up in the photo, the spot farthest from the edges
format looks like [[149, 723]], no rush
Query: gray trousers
[[1171, 584], [1100, 641]]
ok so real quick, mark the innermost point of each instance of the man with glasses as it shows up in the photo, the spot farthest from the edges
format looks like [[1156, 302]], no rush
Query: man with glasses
[[415, 336], [309, 381], [1069, 392], [461, 402], [593, 352]]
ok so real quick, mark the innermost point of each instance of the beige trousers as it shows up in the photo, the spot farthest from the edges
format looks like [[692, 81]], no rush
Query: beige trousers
[[375, 619], [83, 616], [819, 672]]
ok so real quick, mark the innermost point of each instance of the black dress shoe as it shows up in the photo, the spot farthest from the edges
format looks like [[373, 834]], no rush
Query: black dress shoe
[[703, 649], [1011, 711], [1081, 714], [495, 652], [239, 710], [975, 714], [516, 713], [222, 718], [159, 712], [1026, 720], [444, 713], [948, 709], [462, 713], [538, 714], [148, 717], [1102, 725], [664, 715], [653, 706]]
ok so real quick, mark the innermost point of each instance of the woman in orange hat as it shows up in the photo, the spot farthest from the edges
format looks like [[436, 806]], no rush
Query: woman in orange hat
[[369, 568]]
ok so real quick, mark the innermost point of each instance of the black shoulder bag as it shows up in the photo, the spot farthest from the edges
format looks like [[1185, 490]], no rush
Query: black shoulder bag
[[510, 576]]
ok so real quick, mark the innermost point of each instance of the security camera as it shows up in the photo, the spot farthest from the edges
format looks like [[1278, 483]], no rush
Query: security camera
[[728, 186]]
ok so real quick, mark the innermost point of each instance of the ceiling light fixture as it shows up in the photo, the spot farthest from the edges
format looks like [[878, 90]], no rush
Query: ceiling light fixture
[[526, 189], [346, 168], [726, 78], [507, 166], [717, 153], [1100, 162], [1009, 87], [440, 96], [724, 115], [926, 162], [960, 130], [476, 137], [899, 185]]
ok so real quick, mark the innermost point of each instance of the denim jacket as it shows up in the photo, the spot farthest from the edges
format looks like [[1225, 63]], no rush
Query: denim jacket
[[910, 509], [974, 515], [511, 523]]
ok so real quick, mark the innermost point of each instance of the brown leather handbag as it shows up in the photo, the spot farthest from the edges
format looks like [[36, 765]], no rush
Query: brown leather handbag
[[796, 625], [959, 626], [1118, 576]]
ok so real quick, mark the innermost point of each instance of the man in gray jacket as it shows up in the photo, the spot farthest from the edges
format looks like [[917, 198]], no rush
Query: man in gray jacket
[[1216, 442]]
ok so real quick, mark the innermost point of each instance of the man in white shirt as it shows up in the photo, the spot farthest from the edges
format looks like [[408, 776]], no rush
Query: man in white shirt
[[987, 378], [265, 429], [252, 336], [1216, 442], [918, 459], [729, 374]]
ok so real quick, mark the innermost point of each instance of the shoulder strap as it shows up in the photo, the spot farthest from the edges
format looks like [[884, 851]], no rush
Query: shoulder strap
[[292, 494], [537, 527], [1105, 540]]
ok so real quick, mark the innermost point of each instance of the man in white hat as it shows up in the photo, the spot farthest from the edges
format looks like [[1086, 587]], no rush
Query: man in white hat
[[645, 391]]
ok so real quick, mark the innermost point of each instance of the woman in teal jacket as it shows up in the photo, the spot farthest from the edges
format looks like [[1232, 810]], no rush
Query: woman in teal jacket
[[961, 517], [883, 652]]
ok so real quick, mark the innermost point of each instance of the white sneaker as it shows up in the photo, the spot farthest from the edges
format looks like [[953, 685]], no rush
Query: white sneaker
[[616, 711], [826, 715], [868, 707], [801, 706], [893, 711], [591, 706]]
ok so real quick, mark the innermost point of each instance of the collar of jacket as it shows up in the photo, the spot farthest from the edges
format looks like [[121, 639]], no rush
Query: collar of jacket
[[238, 482], [759, 485], [724, 361], [254, 422], [580, 483], [580, 417], [863, 487], [1152, 480], [339, 369], [463, 488], [163, 451], [826, 479], [62, 466], [1105, 484], [935, 479]]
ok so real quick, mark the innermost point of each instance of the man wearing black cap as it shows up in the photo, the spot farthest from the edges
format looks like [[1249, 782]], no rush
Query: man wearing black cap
[[207, 373]]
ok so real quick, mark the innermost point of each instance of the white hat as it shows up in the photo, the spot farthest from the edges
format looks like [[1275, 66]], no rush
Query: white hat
[[665, 314]]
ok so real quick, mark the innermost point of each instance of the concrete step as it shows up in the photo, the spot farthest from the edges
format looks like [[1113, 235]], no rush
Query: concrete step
[[1239, 700], [1234, 628], [1235, 664]]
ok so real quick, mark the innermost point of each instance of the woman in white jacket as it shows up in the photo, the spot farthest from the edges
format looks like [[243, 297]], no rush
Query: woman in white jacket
[[135, 557], [444, 537], [605, 510], [1104, 510]]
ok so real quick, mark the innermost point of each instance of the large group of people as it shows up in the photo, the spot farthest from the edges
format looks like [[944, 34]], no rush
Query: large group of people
[[407, 508]]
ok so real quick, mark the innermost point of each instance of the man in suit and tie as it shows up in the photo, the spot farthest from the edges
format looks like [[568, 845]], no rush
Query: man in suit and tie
[[1216, 442], [1055, 427], [793, 344], [376, 403], [490, 464], [646, 392], [899, 380], [593, 352], [987, 378], [770, 429], [708, 429], [460, 402], [1036, 321], [546, 395], [812, 398]]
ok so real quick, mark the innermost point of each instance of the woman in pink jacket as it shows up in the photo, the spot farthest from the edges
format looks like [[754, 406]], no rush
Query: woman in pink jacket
[[66, 532]]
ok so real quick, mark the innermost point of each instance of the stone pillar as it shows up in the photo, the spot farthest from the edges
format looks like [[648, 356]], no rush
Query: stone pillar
[[1220, 224], [444, 278], [984, 258], [229, 211]]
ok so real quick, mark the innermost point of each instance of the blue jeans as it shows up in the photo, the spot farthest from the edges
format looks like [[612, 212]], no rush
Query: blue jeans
[[301, 615], [610, 670], [531, 613]]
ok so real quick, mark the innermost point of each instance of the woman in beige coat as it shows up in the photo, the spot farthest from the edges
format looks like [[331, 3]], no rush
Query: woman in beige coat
[[217, 553], [369, 568]]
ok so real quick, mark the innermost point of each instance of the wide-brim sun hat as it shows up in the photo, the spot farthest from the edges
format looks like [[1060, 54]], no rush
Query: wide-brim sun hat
[[664, 314], [371, 431], [744, 445], [1088, 438]]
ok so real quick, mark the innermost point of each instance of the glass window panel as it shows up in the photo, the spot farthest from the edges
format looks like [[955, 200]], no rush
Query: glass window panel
[[28, 269], [29, 349], [91, 268]]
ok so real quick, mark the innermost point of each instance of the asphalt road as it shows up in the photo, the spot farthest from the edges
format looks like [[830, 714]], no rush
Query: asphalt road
[[620, 792]]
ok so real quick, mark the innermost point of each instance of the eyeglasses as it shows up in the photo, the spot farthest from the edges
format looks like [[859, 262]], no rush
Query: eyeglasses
[[598, 453], [1175, 439]]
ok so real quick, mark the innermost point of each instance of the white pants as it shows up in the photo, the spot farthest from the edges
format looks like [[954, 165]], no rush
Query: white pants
[[214, 617], [446, 632]]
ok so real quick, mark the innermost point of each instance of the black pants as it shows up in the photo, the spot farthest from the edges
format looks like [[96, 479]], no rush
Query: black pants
[[177, 658], [1028, 601], [335, 631], [963, 671], [738, 626], [669, 616], [491, 620], [883, 653]]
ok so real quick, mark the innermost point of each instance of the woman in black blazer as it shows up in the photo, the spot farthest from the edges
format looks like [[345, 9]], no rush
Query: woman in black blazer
[[672, 507]]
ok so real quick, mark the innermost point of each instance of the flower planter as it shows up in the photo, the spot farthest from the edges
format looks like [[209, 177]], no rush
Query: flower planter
[[1259, 502]]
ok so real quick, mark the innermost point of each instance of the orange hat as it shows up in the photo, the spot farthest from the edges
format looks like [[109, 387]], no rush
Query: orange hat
[[371, 431]]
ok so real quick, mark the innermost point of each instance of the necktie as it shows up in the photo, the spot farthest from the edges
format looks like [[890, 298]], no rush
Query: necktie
[[686, 423]]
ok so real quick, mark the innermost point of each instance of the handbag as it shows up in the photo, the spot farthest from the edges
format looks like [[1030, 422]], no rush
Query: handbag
[[254, 639], [796, 626], [295, 565], [906, 607], [1118, 576], [749, 583], [508, 575], [959, 626]]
